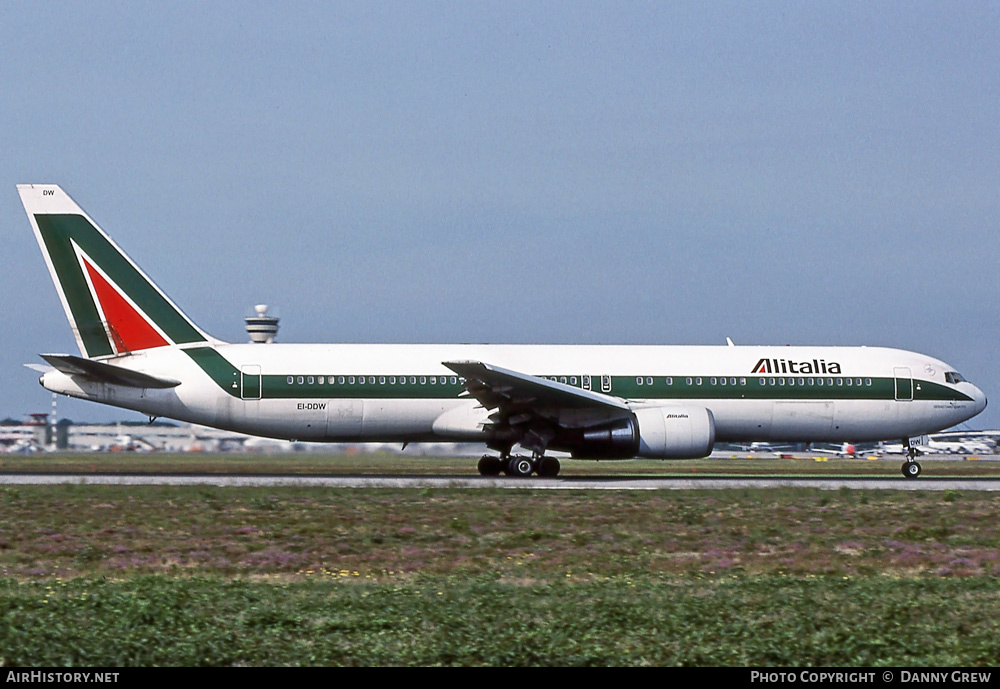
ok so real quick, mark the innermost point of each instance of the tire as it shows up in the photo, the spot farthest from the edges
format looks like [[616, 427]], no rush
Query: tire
[[521, 467], [489, 466], [548, 467]]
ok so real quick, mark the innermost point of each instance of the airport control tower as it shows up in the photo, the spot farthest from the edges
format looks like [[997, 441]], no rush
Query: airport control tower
[[262, 328]]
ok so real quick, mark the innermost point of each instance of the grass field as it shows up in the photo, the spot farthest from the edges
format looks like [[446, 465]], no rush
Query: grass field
[[105, 575], [312, 463]]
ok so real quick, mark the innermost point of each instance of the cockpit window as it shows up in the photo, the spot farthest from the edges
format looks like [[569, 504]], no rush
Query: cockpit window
[[954, 377]]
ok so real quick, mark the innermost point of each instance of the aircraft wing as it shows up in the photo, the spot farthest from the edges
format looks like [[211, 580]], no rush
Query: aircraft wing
[[106, 373], [519, 398]]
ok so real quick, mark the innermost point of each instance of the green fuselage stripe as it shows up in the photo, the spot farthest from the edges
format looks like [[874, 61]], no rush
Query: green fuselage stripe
[[218, 368], [379, 386]]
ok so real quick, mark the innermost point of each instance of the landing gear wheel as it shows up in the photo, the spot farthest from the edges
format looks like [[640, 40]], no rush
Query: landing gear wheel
[[548, 467], [489, 466], [911, 469], [521, 467]]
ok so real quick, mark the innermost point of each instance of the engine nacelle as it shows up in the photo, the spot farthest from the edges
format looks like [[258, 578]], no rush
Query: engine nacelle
[[675, 432], [655, 433]]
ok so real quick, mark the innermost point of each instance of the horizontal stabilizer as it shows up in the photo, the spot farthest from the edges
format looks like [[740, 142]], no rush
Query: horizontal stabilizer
[[39, 367], [106, 373]]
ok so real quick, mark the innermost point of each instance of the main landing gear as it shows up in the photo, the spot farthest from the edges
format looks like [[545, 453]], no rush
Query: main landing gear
[[911, 467], [519, 466]]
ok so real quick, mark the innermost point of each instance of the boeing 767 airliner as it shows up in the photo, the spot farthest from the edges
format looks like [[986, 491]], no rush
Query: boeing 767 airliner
[[139, 351]]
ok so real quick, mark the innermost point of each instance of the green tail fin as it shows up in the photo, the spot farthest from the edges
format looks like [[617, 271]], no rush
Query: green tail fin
[[112, 306]]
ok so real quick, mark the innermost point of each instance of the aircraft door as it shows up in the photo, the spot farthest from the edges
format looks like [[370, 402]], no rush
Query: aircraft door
[[904, 383], [250, 382]]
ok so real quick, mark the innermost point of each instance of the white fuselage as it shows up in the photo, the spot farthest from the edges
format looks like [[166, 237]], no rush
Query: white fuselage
[[404, 392]]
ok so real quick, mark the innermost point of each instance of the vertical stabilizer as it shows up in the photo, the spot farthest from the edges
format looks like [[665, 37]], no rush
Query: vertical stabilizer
[[112, 306]]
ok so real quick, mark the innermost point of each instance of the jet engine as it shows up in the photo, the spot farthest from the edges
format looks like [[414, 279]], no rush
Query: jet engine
[[653, 432]]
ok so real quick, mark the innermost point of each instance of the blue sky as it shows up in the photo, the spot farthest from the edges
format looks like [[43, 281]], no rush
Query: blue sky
[[579, 172]]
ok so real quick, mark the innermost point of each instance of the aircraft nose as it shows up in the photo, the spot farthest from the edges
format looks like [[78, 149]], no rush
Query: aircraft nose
[[980, 398]]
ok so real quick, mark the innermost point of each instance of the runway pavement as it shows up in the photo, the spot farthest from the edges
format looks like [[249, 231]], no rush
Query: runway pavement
[[473, 482]]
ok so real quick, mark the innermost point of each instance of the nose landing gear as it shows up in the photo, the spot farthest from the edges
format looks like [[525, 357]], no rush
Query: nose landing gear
[[911, 467]]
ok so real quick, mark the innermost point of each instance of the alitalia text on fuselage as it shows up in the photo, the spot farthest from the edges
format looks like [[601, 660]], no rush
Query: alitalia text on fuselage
[[814, 366]]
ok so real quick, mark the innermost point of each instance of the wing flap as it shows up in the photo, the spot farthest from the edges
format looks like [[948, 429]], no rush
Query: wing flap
[[106, 373], [514, 393]]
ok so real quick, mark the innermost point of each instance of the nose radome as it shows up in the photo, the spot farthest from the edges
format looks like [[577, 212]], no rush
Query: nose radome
[[980, 399]]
